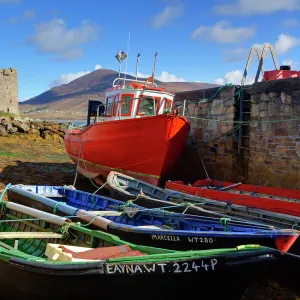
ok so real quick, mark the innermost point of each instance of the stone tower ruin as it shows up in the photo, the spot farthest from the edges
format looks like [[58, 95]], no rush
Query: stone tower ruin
[[9, 90]]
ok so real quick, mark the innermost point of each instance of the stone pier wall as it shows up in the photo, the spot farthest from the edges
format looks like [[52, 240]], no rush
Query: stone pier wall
[[274, 154], [211, 113], [264, 152]]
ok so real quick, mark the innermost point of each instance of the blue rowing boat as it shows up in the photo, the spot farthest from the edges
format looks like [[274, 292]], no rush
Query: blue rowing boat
[[151, 227]]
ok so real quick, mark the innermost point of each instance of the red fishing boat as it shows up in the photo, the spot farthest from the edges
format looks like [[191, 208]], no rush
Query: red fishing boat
[[135, 132], [280, 200]]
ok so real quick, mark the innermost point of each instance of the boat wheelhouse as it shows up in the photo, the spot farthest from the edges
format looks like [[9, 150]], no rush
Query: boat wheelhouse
[[136, 99]]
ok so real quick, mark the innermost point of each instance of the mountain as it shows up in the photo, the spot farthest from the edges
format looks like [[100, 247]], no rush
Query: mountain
[[70, 100]]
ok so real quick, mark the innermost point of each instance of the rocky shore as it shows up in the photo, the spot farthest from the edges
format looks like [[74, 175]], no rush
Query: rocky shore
[[16, 125]]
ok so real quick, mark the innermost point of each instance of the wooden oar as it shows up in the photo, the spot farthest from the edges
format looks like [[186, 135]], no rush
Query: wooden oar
[[29, 235]]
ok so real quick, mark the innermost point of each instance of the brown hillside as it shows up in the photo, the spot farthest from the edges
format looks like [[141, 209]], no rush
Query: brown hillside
[[70, 100]]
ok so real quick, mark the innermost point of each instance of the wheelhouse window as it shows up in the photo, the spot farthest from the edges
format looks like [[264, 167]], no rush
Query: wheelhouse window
[[167, 104], [116, 104], [126, 104], [148, 106], [109, 106]]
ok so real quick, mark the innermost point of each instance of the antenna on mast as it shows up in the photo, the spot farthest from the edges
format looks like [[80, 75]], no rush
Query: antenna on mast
[[153, 71], [137, 65], [128, 42]]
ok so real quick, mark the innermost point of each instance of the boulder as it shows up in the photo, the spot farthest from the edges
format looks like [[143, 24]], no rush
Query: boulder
[[55, 130], [64, 130], [37, 124], [5, 122], [47, 123], [23, 127], [11, 129], [45, 134], [3, 131], [16, 123], [48, 127]]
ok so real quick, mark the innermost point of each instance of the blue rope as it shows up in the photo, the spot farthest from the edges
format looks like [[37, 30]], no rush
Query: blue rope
[[256, 188], [219, 186], [4, 191], [173, 193]]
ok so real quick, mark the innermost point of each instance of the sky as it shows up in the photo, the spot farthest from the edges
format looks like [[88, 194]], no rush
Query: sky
[[55, 42]]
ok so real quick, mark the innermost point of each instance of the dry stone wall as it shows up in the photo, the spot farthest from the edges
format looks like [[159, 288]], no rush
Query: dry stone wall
[[211, 113], [274, 158], [253, 139]]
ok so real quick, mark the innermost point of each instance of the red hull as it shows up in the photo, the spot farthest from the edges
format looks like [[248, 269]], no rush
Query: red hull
[[266, 198], [145, 148]]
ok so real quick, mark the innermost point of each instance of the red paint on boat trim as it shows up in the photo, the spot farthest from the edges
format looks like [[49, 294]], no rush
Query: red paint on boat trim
[[284, 243], [275, 205], [258, 189]]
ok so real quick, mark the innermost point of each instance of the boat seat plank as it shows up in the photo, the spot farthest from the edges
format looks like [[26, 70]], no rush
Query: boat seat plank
[[53, 195], [30, 235], [105, 213]]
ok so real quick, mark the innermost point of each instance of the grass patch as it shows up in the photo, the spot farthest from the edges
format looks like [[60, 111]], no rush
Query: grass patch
[[15, 154], [56, 156], [8, 154], [7, 114]]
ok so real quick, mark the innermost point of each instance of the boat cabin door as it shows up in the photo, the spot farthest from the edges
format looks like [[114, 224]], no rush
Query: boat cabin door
[[95, 109]]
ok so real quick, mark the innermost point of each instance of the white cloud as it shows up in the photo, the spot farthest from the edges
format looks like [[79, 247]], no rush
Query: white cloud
[[66, 78], [234, 77], [54, 37], [164, 17], [285, 42], [29, 14], [295, 65], [222, 32], [247, 7], [282, 45], [166, 77], [290, 23]]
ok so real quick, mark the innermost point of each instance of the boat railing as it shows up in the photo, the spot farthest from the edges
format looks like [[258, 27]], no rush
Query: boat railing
[[131, 80]]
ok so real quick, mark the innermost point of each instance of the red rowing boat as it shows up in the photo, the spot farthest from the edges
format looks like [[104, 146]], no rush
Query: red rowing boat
[[135, 132], [285, 201]]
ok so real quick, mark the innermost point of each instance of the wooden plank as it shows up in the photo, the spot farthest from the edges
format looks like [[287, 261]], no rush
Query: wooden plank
[[105, 213], [30, 235], [52, 195]]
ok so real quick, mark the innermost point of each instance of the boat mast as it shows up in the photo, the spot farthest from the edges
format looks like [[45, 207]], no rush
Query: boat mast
[[137, 65], [153, 71], [128, 42]]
